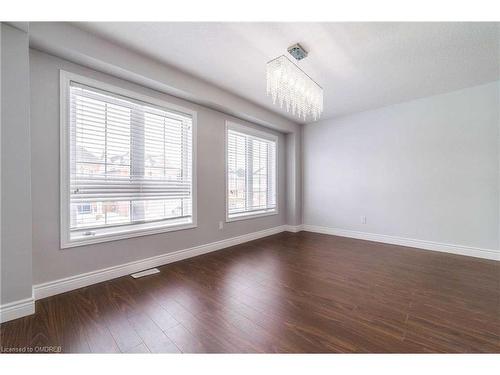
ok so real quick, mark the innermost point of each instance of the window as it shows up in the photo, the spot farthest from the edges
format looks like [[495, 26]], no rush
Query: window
[[251, 172], [126, 164]]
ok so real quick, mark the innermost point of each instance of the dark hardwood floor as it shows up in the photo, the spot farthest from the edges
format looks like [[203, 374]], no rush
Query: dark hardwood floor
[[301, 292]]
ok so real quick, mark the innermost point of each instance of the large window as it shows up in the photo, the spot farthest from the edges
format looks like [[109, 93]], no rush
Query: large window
[[126, 163], [251, 172]]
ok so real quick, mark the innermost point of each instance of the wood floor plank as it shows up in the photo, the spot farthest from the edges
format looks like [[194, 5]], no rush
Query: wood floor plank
[[92, 321], [152, 335], [190, 343], [115, 318], [287, 293], [141, 348]]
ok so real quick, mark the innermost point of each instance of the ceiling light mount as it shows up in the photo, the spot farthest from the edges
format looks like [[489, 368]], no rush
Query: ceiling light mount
[[297, 51]]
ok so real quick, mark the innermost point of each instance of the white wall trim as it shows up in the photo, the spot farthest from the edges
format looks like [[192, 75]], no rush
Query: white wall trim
[[17, 309], [409, 242], [79, 281], [293, 228]]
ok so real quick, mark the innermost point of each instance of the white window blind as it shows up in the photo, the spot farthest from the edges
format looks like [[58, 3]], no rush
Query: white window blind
[[251, 173], [130, 164]]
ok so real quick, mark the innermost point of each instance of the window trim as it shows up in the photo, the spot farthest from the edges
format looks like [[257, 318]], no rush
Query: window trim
[[230, 125], [64, 164]]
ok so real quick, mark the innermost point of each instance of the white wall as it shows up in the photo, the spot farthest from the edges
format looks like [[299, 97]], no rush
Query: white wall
[[49, 261], [15, 271], [426, 169]]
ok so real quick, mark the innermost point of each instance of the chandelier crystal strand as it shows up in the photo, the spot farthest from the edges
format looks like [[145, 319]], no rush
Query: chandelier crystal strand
[[288, 85]]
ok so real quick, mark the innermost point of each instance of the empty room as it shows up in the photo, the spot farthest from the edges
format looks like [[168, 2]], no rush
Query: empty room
[[250, 187]]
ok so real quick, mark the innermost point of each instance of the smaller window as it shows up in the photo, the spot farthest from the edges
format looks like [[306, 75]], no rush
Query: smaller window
[[250, 172]]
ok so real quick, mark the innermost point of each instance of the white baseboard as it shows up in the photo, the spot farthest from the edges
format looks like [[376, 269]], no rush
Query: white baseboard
[[17, 309], [293, 228], [79, 281], [409, 242]]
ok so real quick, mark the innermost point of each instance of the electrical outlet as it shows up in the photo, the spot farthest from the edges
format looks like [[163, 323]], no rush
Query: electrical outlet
[[363, 219], [221, 225]]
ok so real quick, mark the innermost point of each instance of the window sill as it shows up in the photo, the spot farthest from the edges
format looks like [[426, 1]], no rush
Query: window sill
[[114, 234], [252, 215]]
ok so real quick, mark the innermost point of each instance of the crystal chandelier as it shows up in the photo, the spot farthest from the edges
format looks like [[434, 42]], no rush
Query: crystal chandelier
[[290, 86]]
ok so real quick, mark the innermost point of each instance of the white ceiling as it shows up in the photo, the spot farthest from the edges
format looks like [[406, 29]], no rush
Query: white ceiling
[[361, 66]]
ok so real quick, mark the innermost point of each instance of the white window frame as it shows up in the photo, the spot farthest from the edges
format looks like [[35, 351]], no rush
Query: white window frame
[[134, 230], [260, 134]]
